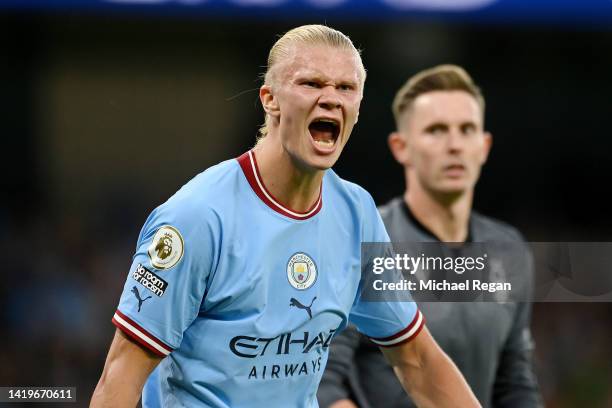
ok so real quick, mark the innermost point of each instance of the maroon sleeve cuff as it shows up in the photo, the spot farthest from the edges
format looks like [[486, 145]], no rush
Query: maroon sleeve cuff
[[140, 335], [403, 336]]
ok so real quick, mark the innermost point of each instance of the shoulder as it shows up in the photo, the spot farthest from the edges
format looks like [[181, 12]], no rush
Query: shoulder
[[207, 185], [349, 191], [400, 226], [202, 196], [488, 228], [352, 203], [391, 208]]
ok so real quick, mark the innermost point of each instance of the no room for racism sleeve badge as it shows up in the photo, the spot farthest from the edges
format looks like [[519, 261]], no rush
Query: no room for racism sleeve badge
[[166, 249], [301, 271]]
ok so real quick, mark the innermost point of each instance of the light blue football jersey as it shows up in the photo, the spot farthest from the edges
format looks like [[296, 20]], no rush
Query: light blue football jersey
[[243, 295]]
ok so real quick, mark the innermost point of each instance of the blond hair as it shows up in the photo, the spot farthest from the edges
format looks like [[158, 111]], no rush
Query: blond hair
[[440, 78], [313, 34]]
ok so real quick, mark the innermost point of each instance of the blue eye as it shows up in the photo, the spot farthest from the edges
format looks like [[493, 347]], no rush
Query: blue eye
[[311, 84]]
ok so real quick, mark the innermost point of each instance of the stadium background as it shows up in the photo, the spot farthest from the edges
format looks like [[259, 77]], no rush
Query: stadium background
[[107, 111]]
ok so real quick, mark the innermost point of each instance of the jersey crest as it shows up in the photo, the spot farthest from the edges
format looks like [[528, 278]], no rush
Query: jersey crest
[[301, 271]]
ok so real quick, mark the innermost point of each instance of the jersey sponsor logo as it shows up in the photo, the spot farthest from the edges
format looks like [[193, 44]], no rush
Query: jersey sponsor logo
[[285, 370], [166, 249], [286, 343], [149, 280], [294, 343], [296, 303], [301, 271], [140, 300]]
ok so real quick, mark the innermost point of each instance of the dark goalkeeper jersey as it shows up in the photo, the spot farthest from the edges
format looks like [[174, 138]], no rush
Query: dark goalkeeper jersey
[[489, 342]]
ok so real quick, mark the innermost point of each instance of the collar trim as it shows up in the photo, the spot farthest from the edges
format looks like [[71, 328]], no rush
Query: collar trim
[[248, 163]]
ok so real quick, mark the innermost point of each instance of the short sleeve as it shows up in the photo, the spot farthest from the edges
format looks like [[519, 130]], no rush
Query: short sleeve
[[168, 277], [392, 321]]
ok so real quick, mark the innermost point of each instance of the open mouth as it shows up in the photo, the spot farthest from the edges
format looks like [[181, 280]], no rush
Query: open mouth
[[324, 132]]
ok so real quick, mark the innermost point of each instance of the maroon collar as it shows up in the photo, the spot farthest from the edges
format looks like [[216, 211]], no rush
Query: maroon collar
[[248, 163]]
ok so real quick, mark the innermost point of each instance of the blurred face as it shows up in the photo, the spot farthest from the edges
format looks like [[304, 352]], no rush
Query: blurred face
[[444, 145], [314, 99]]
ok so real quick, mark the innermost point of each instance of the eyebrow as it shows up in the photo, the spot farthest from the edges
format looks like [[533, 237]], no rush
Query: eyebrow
[[436, 124], [349, 82], [441, 123], [469, 123], [323, 78]]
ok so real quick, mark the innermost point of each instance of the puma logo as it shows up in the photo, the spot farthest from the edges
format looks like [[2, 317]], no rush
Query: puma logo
[[140, 300], [296, 303]]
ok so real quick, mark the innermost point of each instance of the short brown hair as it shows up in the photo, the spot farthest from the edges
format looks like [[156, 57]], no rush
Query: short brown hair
[[439, 78]]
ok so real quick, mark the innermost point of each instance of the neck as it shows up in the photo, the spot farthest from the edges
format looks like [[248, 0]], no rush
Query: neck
[[446, 216], [293, 186]]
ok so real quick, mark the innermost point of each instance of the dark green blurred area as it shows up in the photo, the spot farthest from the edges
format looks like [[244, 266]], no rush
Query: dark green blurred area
[[105, 117]]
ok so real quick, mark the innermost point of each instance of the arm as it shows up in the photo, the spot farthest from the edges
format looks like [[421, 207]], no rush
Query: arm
[[334, 389], [515, 382], [126, 369], [428, 375]]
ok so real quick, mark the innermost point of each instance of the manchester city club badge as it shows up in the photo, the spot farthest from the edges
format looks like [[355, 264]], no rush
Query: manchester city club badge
[[301, 271], [166, 248]]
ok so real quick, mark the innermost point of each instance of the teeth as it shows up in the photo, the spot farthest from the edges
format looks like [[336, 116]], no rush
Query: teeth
[[324, 143], [333, 122]]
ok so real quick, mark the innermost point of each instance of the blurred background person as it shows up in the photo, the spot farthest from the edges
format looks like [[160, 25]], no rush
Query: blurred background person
[[441, 143]]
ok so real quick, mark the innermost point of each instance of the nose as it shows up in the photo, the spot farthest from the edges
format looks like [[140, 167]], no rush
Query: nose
[[455, 141], [329, 98]]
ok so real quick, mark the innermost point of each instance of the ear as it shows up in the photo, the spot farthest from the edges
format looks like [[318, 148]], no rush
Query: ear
[[487, 143], [399, 147], [269, 101]]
